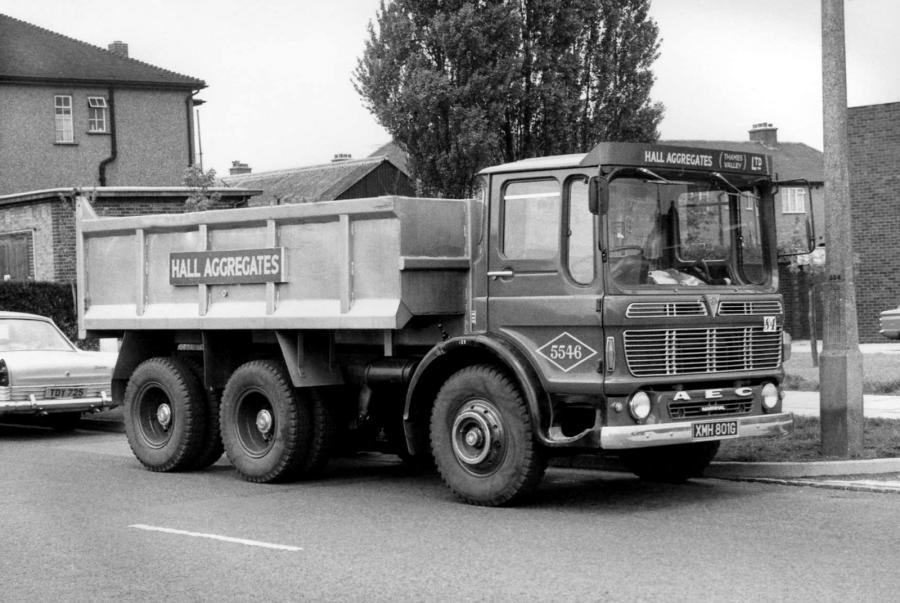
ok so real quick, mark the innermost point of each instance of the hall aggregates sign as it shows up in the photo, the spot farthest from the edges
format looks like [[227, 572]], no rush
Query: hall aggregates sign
[[238, 266]]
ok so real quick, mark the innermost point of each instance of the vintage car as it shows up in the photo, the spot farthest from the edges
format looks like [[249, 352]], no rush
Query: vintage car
[[890, 323], [45, 378]]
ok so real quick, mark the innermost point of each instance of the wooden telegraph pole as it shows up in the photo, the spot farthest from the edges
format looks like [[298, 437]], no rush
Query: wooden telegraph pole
[[840, 367]]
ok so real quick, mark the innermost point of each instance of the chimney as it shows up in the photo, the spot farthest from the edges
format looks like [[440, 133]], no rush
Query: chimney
[[120, 48], [764, 133], [238, 167], [338, 157]]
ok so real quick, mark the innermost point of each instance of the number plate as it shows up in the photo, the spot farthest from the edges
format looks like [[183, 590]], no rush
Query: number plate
[[64, 392], [712, 430]]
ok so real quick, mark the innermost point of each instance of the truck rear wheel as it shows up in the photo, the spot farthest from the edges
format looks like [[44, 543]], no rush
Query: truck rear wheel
[[672, 464], [482, 439], [211, 449], [266, 426], [164, 414]]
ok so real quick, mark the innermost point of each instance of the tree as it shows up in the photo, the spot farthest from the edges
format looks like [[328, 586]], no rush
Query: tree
[[462, 84], [200, 198]]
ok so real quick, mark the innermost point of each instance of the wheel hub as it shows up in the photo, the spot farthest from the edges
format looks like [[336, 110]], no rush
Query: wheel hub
[[164, 415], [264, 421], [478, 436]]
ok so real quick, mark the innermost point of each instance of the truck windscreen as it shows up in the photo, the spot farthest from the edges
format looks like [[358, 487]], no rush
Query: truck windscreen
[[683, 234]]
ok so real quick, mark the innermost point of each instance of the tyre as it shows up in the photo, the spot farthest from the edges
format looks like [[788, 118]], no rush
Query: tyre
[[482, 439], [323, 436], [62, 422], [672, 464], [211, 449], [164, 414], [266, 426]]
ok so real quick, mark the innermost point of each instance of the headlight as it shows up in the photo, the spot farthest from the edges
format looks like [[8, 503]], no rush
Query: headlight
[[639, 406], [770, 396]]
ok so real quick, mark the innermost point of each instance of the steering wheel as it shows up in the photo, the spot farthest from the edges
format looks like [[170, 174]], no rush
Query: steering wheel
[[626, 251]]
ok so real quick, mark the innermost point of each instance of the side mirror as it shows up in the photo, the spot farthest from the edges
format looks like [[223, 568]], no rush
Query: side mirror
[[598, 195]]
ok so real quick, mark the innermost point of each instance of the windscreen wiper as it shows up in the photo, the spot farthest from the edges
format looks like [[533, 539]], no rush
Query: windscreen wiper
[[724, 180]]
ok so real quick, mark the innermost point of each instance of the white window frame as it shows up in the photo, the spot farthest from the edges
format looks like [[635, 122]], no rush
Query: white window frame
[[793, 200], [98, 111], [63, 121]]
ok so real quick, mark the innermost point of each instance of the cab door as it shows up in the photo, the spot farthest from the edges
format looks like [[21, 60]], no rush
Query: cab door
[[543, 288]]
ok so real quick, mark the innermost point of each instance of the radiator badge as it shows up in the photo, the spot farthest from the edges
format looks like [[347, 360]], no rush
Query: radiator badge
[[770, 325], [566, 351], [712, 301]]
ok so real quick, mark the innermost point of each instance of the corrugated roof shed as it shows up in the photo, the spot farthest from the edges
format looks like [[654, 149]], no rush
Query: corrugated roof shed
[[29, 53], [324, 182], [792, 160]]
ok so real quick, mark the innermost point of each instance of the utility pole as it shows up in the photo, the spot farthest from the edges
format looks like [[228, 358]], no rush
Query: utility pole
[[840, 367]]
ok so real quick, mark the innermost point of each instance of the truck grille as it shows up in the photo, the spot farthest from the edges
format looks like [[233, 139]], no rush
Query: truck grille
[[662, 352], [704, 408], [665, 309], [749, 308]]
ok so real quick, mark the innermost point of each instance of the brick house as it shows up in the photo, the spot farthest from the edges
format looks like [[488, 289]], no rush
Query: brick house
[[39, 226], [792, 161], [874, 154], [74, 114]]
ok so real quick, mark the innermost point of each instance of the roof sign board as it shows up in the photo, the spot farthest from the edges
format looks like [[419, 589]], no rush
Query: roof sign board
[[239, 266], [663, 156]]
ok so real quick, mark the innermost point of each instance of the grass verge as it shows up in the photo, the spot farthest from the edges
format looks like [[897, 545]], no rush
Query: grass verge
[[881, 439], [881, 373]]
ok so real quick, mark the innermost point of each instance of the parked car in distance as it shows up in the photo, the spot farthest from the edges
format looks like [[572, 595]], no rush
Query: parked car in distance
[[890, 323], [44, 377]]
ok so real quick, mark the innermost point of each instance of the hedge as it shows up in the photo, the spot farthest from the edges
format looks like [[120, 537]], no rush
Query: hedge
[[56, 300]]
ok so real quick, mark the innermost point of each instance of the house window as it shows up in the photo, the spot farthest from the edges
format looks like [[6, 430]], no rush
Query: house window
[[65, 132], [97, 114], [16, 257], [793, 200]]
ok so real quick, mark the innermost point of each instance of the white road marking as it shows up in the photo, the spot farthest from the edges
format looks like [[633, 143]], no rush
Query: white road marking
[[265, 545]]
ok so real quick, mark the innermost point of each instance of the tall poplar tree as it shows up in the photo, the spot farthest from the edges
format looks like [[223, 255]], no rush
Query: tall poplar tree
[[462, 84]]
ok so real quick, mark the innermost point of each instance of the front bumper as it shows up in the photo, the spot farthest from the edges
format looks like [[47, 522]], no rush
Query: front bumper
[[36, 406], [664, 434]]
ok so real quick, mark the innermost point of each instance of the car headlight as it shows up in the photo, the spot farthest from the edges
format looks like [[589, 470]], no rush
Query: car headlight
[[639, 406], [770, 396]]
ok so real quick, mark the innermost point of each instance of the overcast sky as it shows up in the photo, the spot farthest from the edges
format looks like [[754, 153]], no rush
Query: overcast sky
[[279, 71]]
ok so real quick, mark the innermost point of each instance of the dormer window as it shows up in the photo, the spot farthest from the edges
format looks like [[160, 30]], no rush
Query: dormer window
[[98, 112]]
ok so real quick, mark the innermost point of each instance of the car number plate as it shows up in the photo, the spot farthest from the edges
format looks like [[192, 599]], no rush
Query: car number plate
[[714, 429], [64, 392]]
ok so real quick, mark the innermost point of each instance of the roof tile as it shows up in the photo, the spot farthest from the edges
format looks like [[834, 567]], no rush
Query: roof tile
[[32, 53]]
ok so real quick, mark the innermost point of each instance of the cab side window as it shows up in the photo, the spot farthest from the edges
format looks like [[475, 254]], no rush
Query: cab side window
[[531, 220], [580, 233]]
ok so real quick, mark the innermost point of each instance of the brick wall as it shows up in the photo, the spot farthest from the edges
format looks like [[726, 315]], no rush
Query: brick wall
[[64, 224], [874, 133], [35, 219]]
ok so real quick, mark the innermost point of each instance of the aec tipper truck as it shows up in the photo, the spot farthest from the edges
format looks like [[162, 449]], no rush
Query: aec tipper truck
[[620, 302]]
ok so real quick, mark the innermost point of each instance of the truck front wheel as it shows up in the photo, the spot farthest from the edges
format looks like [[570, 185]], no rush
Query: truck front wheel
[[164, 414], [672, 464], [482, 439], [266, 427]]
